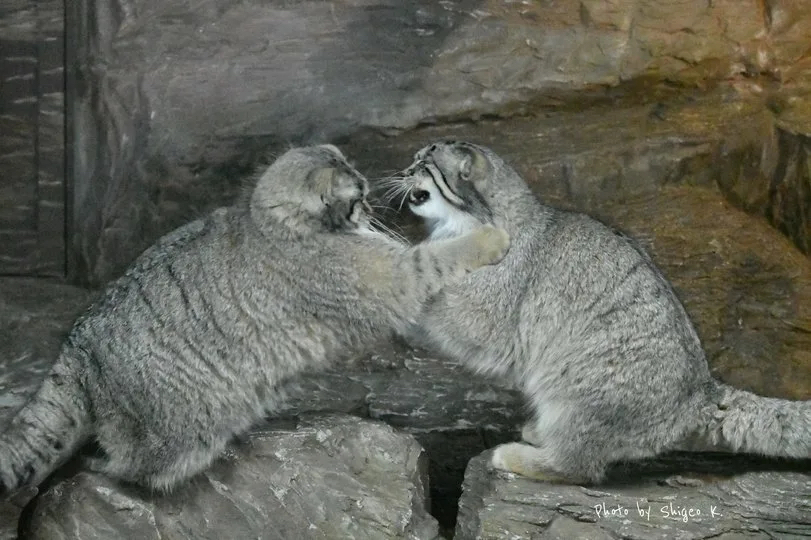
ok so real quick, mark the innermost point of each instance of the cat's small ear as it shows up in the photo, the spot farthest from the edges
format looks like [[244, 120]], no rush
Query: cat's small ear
[[472, 163], [321, 180], [334, 149]]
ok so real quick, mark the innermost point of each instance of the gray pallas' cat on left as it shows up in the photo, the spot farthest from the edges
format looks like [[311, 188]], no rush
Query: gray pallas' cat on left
[[190, 346], [583, 321]]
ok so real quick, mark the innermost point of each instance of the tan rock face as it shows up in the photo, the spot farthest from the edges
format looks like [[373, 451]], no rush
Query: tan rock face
[[186, 98]]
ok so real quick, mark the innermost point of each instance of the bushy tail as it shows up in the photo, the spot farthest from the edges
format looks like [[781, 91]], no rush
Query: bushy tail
[[45, 431], [741, 421]]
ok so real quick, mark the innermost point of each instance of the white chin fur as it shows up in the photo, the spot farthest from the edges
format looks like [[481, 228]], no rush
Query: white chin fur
[[443, 219]]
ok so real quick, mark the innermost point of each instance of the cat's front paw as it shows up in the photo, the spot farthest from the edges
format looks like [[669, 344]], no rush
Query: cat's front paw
[[492, 243], [527, 461]]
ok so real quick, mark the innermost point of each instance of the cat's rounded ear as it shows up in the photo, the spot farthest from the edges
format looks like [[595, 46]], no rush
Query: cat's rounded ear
[[473, 164], [334, 149], [322, 180]]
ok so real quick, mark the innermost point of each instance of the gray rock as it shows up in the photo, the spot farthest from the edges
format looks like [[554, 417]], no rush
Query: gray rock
[[332, 476], [676, 497], [452, 413]]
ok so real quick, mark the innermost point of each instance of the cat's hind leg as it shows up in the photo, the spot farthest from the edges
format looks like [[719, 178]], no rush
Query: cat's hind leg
[[157, 463]]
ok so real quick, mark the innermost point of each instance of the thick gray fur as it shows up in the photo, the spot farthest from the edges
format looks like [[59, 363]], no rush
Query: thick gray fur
[[581, 319], [195, 342]]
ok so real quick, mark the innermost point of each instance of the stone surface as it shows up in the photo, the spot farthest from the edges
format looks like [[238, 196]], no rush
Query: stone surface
[[677, 497], [597, 157], [329, 477], [32, 137], [175, 100], [453, 414]]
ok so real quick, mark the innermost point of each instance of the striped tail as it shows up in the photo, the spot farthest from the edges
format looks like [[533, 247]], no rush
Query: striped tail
[[45, 431], [740, 421]]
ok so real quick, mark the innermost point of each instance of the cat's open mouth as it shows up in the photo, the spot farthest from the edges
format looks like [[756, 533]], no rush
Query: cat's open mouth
[[418, 196]]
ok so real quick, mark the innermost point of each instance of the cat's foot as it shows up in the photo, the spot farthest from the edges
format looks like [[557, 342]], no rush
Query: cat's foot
[[492, 243], [527, 461]]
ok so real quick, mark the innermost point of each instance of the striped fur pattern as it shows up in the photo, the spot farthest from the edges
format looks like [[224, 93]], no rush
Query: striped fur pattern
[[196, 341], [578, 315]]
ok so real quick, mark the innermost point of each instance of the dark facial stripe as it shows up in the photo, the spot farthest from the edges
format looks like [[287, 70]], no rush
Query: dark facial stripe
[[447, 191]]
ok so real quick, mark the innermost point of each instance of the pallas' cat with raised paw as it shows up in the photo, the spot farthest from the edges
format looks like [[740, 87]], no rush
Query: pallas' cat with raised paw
[[191, 345], [586, 325]]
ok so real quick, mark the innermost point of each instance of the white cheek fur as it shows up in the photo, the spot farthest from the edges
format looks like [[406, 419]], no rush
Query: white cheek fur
[[444, 219]]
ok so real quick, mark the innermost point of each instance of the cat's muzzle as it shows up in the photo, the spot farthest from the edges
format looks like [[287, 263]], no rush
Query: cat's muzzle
[[418, 196]]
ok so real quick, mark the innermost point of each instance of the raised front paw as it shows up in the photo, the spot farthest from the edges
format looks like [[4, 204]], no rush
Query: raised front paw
[[492, 243]]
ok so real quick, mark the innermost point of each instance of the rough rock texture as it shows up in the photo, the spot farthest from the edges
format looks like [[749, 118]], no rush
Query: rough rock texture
[[172, 96], [600, 156], [677, 497], [32, 133], [331, 476], [451, 413]]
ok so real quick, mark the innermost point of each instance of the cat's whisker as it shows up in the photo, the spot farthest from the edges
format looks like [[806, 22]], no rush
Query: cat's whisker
[[389, 174], [390, 181], [392, 188], [376, 223], [405, 196], [380, 221], [394, 192]]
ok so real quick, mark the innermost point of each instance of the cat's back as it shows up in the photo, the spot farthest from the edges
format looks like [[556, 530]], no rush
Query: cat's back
[[595, 287], [172, 263], [578, 253]]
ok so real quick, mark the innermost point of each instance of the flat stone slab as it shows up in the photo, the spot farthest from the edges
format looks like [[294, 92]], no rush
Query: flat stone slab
[[331, 476], [682, 496]]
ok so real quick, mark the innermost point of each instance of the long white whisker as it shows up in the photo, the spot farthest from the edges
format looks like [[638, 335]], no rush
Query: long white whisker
[[406, 194], [394, 226], [394, 174], [392, 193], [387, 230], [389, 180]]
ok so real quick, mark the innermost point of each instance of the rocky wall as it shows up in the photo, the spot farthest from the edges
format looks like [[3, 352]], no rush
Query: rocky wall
[[172, 101]]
